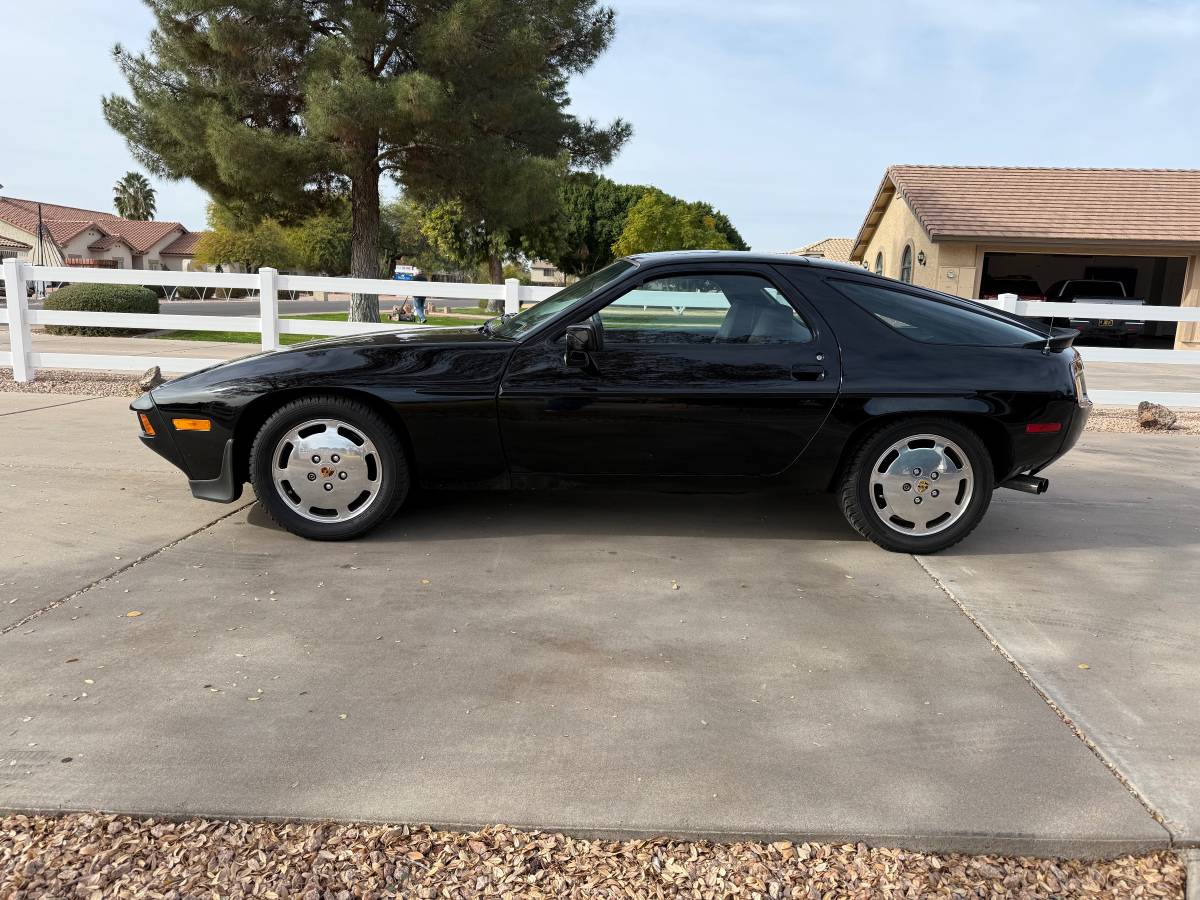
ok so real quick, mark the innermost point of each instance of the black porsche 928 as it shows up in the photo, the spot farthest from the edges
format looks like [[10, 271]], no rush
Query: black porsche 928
[[698, 369]]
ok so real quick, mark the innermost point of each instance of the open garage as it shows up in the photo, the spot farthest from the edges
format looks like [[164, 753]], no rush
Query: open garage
[[1158, 280], [972, 231]]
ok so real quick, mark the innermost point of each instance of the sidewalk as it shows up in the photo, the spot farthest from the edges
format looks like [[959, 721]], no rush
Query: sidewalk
[[134, 346]]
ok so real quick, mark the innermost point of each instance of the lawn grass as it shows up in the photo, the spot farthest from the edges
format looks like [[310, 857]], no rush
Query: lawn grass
[[253, 337]]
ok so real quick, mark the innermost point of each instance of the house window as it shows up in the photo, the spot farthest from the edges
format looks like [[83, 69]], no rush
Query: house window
[[878, 263], [906, 265]]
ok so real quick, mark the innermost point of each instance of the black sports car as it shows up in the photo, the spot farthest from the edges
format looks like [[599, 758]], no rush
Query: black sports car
[[701, 369]]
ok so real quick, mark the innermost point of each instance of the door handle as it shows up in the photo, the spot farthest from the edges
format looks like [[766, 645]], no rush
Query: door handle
[[808, 373]]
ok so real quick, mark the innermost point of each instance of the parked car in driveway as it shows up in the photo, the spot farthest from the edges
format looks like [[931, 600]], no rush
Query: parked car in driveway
[[1025, 287], [700, 370], [1095, 290]]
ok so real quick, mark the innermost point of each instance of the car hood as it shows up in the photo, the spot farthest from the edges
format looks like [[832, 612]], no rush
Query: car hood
[[334, 354], [414, 337]]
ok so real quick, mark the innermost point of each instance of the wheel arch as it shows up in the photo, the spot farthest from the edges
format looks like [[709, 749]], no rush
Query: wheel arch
[[256, 413], [993, 435]]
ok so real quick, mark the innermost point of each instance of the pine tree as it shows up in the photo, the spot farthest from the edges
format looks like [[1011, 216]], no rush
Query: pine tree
[[277, 106], [133, 197]]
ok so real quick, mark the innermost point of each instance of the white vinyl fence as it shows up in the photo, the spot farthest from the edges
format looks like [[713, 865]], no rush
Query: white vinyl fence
[[268, 284], [1040, 309]]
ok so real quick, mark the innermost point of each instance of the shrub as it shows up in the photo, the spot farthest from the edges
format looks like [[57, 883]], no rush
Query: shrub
[[114, 298]]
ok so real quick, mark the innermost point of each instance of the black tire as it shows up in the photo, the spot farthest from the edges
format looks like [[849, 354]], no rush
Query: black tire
[[862, 507], [390, 485]]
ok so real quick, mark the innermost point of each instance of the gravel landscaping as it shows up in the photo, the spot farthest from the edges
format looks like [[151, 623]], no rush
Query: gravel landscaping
[[1125, 419], [98, 856], [64, 381]]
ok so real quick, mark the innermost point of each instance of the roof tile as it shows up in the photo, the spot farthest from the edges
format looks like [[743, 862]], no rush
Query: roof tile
[[1137, 205], [140, 235], [836, 249]]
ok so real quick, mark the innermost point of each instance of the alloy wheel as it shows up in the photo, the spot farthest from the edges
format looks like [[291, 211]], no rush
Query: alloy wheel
[[921, 484], [327, 470]]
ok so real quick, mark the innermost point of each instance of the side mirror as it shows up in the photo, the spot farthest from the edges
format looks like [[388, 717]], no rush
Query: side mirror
[[581, 340]]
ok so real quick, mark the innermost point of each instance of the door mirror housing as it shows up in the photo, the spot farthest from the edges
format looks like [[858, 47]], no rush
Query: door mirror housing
[[582, 339]]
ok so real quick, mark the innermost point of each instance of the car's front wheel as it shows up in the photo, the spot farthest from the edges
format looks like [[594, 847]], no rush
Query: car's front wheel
[[328, 468], [918, 485]]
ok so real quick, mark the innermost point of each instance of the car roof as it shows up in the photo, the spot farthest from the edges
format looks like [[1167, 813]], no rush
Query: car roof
[[739, 256]]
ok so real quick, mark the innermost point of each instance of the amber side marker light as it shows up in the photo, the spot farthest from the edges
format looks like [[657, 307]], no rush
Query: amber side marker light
[[1043, 427], [192, 424], [147, 428]]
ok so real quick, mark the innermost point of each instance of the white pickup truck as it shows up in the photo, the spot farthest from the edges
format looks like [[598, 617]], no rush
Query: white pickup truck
[[1095, 290]]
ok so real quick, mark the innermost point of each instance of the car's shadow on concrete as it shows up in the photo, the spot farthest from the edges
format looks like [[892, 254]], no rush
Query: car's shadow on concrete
[[469, 515], [1014, 525]]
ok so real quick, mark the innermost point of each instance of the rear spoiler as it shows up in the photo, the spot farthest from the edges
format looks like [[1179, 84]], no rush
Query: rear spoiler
[[1060, 339]]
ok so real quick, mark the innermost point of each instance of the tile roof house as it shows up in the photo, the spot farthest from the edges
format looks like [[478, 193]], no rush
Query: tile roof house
[[969, 230], [834, 249], [86, 237]]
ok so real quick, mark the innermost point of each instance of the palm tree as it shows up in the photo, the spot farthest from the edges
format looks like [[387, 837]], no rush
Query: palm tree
[[134, 197]]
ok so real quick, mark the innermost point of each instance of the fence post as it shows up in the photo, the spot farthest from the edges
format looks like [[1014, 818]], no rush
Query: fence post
[[19, 339], [512, 296], [268, 307], [1008, 302]]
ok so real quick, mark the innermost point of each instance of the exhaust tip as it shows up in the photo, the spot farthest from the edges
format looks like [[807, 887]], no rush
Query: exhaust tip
[[1029, 484]]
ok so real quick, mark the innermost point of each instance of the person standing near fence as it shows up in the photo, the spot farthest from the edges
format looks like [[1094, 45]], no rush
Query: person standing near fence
[[403, 272]]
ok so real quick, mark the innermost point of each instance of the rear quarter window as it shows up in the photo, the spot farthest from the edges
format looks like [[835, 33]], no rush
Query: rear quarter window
[[933, 321]]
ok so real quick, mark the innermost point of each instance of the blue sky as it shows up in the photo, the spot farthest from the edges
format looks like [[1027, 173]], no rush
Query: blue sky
[[782, 114]]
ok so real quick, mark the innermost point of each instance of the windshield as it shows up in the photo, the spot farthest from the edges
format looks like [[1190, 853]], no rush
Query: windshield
[[556, 303]]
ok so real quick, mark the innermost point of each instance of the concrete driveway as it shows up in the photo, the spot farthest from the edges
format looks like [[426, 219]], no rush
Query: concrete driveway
[[604, 663]]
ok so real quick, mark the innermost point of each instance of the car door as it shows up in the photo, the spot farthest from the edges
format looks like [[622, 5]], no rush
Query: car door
[[701, 371]]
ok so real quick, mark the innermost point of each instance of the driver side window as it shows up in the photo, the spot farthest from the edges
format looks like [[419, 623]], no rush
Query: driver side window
[[703, 309]]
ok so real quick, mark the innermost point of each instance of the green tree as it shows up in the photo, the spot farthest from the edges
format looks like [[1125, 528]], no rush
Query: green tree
[[592, 214], [133, 197], [252, 245], [277, 105], [661, 222], [722, 224], [403, 223], [321, 243]]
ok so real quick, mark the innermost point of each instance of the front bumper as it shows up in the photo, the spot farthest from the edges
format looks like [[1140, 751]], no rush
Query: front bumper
[[225, 487]]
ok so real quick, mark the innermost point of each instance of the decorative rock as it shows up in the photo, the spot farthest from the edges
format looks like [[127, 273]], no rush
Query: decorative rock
[[1155, 415], [152, 379]]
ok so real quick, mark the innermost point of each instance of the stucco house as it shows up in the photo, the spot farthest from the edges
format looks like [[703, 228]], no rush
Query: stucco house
[[964, 229], [544, 273], [86, 237]]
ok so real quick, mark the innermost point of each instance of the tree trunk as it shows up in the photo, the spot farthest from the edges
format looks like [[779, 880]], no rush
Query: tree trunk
[[496, 274], [364, 235]]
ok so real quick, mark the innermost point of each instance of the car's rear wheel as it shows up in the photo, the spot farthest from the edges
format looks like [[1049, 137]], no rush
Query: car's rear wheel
[[328, 468], [918, 485]]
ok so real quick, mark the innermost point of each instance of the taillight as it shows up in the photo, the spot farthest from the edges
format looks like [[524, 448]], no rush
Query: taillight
[[1043, 428], [1077, 374]]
